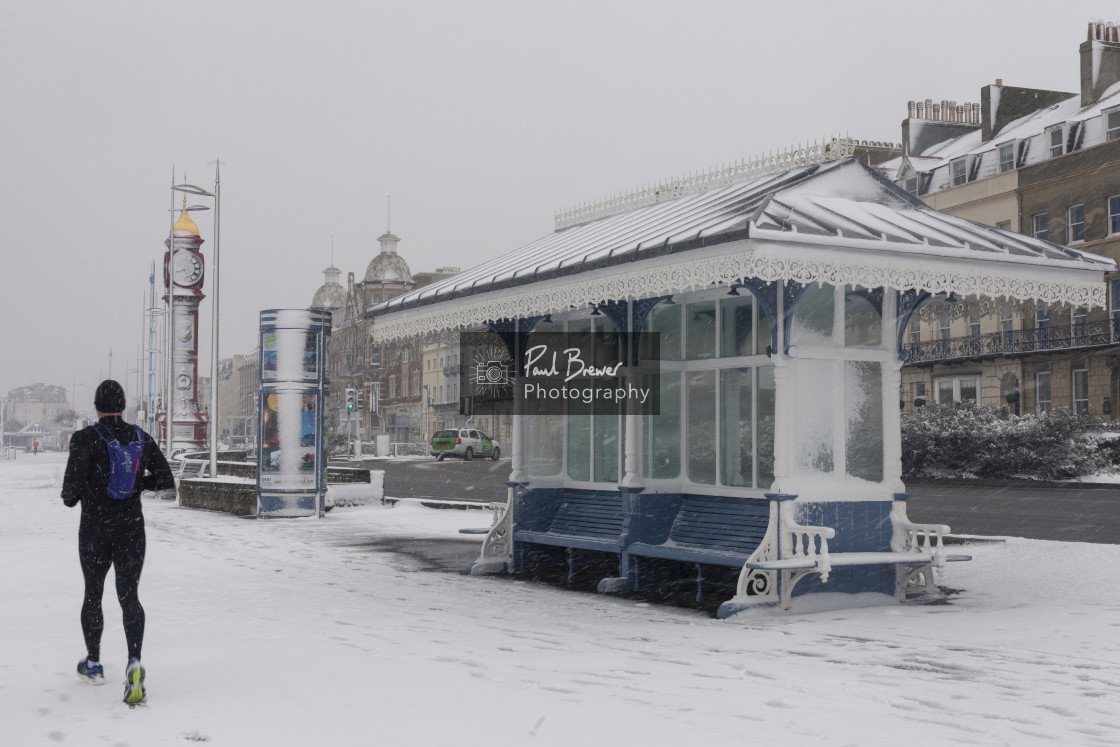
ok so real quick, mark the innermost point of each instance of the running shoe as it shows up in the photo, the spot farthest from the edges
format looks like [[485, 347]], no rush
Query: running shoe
[[134, 683], [94, 675]]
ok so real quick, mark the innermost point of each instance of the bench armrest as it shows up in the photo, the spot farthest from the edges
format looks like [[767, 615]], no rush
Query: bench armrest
[[800, 542], [924, 538]]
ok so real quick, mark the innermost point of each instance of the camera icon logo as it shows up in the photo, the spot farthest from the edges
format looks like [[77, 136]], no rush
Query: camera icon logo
[[491, 373]]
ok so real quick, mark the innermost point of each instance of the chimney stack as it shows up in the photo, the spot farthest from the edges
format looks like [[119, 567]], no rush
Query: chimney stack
[[1100, 60]]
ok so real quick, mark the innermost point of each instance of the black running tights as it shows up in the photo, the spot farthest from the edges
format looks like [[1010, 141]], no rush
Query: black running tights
[[120, 544]]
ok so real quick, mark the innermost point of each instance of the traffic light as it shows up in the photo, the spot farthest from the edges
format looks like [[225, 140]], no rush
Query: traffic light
[[361, 399], [351, 397], [159, 406]]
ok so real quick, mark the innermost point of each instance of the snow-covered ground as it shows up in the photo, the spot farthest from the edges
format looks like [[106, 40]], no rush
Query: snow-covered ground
[[292, 633]]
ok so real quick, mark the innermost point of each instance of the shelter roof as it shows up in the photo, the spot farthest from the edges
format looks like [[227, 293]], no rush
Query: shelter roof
[[836, 222]]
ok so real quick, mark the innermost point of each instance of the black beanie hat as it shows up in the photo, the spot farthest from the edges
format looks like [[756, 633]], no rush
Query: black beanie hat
[[109, 397]]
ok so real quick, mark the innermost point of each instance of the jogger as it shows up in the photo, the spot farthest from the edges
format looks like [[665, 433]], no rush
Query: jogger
[[110, 464]]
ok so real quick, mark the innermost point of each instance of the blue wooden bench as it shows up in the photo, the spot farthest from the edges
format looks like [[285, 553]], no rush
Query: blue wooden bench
[[707, 530], [584, 520], [791, 552]]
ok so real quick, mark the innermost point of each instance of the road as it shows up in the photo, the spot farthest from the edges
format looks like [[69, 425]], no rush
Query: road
[[1069, 514], [1079, 513]]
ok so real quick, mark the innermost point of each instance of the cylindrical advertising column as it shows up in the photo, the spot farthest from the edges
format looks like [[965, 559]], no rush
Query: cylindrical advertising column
[[291, 459]]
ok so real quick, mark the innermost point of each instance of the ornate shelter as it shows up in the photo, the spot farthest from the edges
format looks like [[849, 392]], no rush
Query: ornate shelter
[[780, 291]]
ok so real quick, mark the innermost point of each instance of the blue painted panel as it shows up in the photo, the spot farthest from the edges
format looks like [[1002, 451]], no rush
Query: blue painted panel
[[851, 580], [861, 526], [654, 517]]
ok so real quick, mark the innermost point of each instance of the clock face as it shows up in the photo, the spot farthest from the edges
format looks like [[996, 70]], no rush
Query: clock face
[[188, 268]]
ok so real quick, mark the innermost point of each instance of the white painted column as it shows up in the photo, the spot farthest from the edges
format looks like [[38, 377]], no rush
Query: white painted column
[[783, 402]]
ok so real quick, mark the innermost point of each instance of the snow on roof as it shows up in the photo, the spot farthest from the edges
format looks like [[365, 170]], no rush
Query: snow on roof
[[1035, 123], [837, 222]]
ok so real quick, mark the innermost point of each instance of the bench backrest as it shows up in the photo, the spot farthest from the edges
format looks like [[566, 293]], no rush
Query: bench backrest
[[588, 515], [192, 468], [721, 523]]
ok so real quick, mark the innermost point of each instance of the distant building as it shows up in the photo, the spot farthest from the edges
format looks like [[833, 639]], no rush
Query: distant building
[[388, 379], [1037, 162]]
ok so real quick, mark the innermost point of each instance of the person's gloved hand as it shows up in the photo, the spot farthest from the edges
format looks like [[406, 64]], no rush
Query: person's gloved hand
[[70, 502]]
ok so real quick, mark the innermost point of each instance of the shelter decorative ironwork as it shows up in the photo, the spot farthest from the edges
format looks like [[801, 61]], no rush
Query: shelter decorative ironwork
[[763, 164]]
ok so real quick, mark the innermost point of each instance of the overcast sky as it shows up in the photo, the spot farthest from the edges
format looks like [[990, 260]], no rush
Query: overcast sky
[[479, 118]]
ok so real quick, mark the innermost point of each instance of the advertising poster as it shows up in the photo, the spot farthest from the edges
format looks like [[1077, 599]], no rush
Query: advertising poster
[[268, 356], [289, 426]]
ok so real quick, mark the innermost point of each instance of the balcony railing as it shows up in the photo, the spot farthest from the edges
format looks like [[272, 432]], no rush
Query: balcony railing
[[1018, 342]]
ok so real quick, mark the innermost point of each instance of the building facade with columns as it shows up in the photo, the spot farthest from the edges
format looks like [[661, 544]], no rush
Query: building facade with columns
[[1041, 163]]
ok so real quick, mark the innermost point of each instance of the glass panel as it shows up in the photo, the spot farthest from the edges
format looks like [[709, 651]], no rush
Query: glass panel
[[863, 405], [945, 392], [1042, 390], [766, 426], [579, 440], [702, 426], [813, 316], [606, 343], [580, 336], [736, 322], [737, 427], [813, 418], [968, 390], [666, 321], [1081, 392], [606, 445], [700, 330], [662, 438], [546, 444], [863, 317]]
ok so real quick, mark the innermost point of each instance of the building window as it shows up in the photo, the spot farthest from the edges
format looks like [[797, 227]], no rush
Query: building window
[[1113, 215], [945, 327], [1042, 392], [1081, 391], [1040, 226], [1006, 157], [915, 330], [958, 169], [1080, 318], [1112, 129], [911, 185], [1075, 223], [919, 393], [974, 323], [1056, 142], [1115, 309], [956, 389]]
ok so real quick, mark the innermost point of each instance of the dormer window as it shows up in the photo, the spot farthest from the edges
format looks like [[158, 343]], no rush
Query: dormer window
[[911, 185], [1056, 141], [1006, 157], [958, 169], [1112, 125]]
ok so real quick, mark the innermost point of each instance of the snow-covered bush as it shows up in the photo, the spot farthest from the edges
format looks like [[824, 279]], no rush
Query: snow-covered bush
[[962, 440]]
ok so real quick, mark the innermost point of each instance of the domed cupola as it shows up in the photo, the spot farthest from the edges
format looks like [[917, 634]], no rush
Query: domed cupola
[[331, 296], [388, 266]]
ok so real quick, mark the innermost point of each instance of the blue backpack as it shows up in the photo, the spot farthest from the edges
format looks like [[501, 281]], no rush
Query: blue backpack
[[124, 463]]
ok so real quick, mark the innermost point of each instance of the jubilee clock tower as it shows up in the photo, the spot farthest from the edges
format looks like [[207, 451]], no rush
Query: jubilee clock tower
[[183, 270]]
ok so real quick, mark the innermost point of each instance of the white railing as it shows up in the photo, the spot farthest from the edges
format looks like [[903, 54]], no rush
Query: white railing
[[747, 168]]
